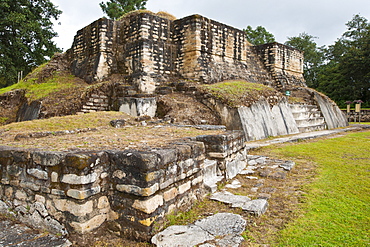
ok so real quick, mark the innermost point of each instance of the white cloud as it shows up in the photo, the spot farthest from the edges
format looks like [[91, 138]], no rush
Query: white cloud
[[284, 18]]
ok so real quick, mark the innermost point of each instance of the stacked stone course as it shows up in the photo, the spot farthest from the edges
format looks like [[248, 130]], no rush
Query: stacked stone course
[[128, 191]]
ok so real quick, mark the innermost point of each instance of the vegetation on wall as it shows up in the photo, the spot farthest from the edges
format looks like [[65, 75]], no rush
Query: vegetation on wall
[[58, 81], [238, 93], [116, 8], [259, 36]]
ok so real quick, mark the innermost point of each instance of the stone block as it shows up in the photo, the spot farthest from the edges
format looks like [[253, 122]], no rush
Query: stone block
[[75, 179], [103, 202], [44, 158], [150, 205], [76, 209], [54, 177], [184, 187], [37, 173], [30, 185], [89, 225], [170, 194], [79, 161], [83, 194], [136, 190]]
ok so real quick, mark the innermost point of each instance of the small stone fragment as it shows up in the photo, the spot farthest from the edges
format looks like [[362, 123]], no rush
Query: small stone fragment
[[118, 123]]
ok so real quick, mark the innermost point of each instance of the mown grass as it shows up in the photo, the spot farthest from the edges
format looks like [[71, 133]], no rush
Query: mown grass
[[335, 210]]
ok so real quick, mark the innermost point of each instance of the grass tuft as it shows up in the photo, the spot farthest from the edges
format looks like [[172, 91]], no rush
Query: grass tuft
[[238, 93]]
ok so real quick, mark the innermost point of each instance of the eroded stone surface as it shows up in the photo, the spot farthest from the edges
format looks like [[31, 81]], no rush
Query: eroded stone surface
[[225, 227], [186, 236]]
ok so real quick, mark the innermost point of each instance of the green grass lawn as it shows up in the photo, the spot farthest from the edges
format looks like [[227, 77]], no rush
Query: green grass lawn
[[336, 208]]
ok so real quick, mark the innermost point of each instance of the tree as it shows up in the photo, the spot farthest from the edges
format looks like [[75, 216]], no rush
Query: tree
[[313, 56], [259, 36], [347, 74], [25, 36], [116, 8]]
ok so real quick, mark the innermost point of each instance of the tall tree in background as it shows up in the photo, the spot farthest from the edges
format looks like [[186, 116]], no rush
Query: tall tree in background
[[116, 8], [25, 36], [259, 36], [347, 74], [313, 56]]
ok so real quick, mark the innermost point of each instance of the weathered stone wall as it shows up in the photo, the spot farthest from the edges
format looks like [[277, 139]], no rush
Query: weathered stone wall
[[145, 50], [10, 103], [128, 191], [284, 63], [92, 51], [211, 52]]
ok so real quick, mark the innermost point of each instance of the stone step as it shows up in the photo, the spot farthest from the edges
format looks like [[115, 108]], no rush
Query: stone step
[[296, 108], [305, 115], [313, 121], [304, 129]]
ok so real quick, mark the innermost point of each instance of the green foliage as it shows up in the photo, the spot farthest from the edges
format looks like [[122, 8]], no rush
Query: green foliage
[[313, 56], [259, 36], [35, 91], [346, 77], [116, 8], [335, 211], [26, 36]]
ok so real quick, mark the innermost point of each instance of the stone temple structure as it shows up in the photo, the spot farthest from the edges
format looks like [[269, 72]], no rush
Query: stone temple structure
[[146, 50], [129, 191]]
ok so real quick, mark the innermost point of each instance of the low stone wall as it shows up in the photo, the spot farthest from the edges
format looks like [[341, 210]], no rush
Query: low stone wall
[[352, 116], [127, 191]]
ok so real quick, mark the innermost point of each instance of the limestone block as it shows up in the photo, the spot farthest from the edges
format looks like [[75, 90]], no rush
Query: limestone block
[[75, 179], [47, 158], [37, 173], [150, 205], [83, 194], [188, 236], [79, 161], [20, 195], [54, 177], [136, 190], [40, 207], [57, 192], [184, 187], [119, 174], [74, 208], [256, 207], [3, 207], [89, 225], [39, 198], [103, 202], [14, 170], [170, 194], [30, 185], [222, 224]]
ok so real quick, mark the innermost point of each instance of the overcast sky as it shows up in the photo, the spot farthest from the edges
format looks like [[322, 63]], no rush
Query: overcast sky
[[324, 19]]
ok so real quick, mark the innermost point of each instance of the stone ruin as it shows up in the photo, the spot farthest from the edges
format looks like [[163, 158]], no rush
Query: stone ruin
[[130, 191]]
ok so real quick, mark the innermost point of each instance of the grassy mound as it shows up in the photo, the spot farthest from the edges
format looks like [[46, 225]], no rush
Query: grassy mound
[[241, 93]]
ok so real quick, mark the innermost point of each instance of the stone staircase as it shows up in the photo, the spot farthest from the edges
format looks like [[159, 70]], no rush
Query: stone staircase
[[308, 117]]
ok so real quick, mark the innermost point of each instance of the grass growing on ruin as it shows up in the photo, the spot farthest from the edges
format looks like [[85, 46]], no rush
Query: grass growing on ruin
[[335, 210], [98, 133], [237, 93], [35, 90]]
